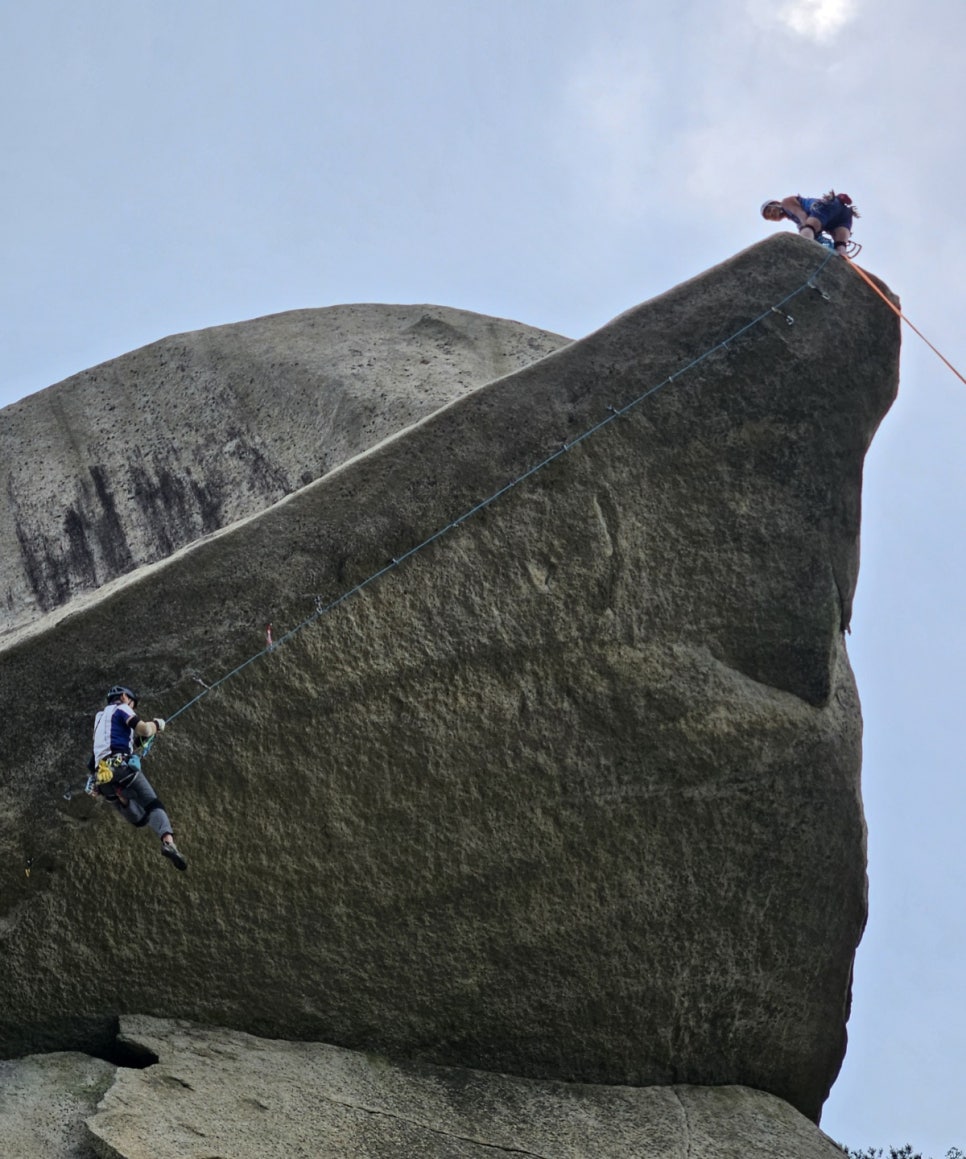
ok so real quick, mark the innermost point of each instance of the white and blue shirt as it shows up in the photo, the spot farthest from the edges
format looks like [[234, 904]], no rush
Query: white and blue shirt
[[114, 731]]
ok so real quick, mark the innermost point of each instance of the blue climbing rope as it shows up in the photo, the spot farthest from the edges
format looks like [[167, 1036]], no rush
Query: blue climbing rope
[[614, 414]]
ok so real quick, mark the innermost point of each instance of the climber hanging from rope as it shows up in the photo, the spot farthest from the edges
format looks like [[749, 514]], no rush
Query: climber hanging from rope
[[116, 767], [818, 219]]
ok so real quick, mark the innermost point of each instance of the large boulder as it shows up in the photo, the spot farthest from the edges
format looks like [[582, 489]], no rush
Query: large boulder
[[570, 792], [124, 463]]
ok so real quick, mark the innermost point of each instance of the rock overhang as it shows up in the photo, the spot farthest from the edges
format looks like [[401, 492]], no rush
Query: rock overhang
[[574, 792]]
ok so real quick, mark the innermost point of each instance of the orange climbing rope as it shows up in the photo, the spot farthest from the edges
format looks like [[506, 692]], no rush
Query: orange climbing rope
[[892, 306]]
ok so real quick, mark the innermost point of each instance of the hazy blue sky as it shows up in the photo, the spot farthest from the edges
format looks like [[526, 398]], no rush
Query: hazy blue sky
[[172, 165]]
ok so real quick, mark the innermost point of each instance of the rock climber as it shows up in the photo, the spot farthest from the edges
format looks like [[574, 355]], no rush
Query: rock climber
[[116, 768], [831, 214]]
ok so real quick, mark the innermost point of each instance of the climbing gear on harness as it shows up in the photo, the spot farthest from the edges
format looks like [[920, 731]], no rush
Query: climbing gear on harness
[[108, 766], [843, 198], [132, 760], [851, 248], [106, 774]]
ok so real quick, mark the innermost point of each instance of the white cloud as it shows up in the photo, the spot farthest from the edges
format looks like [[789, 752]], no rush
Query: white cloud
[[817, 20]]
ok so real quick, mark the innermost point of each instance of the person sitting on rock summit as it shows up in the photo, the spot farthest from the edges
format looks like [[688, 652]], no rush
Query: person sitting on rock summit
[[116, 768], [831, 214]]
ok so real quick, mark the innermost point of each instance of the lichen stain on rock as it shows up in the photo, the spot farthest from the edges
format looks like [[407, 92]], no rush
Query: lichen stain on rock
[[217, 425], [108, 527]]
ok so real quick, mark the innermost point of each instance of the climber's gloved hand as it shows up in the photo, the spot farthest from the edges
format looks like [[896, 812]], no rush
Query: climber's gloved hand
[[159, 724]]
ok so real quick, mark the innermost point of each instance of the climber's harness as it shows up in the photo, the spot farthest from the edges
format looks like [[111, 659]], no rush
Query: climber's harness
[[851, 247], [106, 772], [102, 783]]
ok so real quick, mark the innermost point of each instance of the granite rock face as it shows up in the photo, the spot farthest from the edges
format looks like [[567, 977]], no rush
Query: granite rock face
[[122, 464], [572, 792], [44, 1101], [205, 1091], [218, 1092]]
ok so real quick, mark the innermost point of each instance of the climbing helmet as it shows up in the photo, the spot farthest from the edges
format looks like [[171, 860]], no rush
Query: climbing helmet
[[119, 690]]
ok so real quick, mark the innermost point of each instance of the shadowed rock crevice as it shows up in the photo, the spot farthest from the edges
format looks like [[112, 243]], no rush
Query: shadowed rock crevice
[[127, 1052]]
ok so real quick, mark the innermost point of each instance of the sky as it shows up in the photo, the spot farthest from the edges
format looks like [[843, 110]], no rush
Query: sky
[[169, 165]]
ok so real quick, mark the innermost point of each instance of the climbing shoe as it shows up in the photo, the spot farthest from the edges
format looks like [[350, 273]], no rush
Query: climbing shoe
[[171, 851]]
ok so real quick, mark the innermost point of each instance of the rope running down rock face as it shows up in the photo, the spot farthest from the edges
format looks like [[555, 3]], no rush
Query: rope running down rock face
[[614, 413], [899, 314]]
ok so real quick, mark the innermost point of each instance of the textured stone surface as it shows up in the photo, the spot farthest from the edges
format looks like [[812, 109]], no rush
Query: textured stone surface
[[44, 1100], [223, 1093], [124, 463], [572, 793]]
